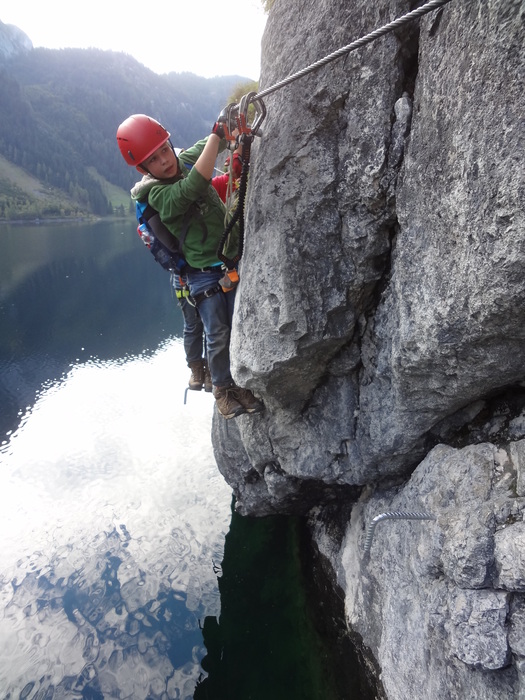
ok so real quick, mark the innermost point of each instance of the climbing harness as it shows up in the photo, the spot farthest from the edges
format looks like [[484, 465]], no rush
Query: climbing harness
[[395, 515], [206, 294], [236, 116]]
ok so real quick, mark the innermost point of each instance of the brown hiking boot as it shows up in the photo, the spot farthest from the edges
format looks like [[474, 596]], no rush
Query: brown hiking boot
[[247, 399], [227, 405], [197, 375], [208, 386]]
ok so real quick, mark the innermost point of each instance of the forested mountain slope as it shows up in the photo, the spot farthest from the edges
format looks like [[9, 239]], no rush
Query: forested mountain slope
[[59, 113]]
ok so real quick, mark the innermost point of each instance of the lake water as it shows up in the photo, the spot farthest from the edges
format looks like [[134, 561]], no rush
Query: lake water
[[123, 573], [112, 511]]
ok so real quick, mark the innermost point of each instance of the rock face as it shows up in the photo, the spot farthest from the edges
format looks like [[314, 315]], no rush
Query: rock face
[[381, 316], [13, 41], [430, 597]]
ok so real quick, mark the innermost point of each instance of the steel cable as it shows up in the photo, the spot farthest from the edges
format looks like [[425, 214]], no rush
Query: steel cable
[[252, 97], [368, 38]]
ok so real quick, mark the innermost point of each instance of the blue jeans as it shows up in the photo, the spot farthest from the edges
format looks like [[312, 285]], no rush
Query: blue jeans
[[193, 331], [216, 313]]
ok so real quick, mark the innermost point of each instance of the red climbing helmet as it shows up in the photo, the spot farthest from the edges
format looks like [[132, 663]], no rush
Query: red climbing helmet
[[138, 137]]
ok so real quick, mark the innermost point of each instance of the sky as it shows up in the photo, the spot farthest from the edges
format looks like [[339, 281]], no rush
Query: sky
[[205, 37]]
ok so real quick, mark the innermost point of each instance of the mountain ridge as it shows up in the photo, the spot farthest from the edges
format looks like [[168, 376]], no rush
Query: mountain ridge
[[60, 112]]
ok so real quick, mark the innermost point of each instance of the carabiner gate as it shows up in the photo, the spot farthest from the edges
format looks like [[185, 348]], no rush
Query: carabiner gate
[[260, 112]]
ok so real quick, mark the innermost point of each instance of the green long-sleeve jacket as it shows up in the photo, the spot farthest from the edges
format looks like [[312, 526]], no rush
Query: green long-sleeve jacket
[[172, 199]]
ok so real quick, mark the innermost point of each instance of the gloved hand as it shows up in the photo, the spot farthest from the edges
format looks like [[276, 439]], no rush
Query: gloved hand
[[218, 128]]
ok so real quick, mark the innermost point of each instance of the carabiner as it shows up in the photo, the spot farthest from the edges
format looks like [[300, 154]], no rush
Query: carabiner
[[260, 112], [229, 117]]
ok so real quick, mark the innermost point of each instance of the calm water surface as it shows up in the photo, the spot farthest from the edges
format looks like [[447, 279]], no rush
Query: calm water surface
[[122, 571], [112, 511]]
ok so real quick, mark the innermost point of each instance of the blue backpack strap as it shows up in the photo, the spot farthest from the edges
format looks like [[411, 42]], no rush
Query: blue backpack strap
[[164, 247]]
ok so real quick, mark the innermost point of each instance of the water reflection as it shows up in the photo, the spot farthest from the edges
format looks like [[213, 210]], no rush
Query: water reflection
[[273, 638], [113, 514], [113, 517], [70, 293]]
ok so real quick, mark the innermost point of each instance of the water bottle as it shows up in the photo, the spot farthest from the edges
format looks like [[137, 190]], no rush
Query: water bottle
[[145, 234]]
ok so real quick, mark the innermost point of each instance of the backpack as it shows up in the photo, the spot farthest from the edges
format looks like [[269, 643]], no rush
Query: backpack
[[164, 247]]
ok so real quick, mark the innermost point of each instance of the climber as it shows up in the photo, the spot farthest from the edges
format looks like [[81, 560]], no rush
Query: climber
[[164, 248], [193, 333], [193, 212]]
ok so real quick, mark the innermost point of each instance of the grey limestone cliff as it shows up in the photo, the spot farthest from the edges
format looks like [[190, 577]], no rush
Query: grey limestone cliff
[[380, 317]]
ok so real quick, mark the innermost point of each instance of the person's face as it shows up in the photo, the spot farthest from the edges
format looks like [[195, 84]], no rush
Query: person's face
[[162, 164]]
